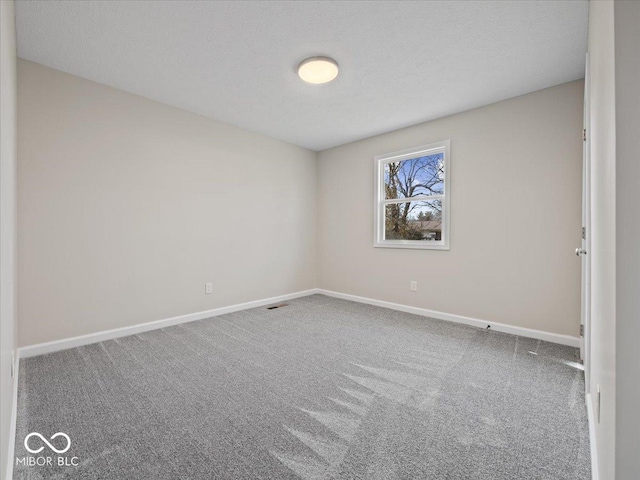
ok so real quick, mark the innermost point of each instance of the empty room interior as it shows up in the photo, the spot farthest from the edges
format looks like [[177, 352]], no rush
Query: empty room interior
[[277, 240]]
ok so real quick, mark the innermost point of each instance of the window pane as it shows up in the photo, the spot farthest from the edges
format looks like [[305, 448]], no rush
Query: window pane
[[416, 176], [414, 221]]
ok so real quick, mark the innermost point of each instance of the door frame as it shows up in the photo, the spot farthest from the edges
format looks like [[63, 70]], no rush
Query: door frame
[[585, 259]]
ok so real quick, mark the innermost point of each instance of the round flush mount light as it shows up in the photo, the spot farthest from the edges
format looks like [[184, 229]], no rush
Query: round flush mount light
[[318, 70]]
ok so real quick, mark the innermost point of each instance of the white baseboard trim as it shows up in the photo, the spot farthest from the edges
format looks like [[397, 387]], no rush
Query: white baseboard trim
[[595, 475], [498, 327], [66, 343], [11, 447]]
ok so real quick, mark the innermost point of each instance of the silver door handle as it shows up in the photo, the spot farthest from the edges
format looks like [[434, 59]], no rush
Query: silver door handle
[[580, 251]]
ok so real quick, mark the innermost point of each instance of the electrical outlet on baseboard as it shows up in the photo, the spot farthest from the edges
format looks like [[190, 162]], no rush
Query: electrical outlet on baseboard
[[413, 286], [208, 288]]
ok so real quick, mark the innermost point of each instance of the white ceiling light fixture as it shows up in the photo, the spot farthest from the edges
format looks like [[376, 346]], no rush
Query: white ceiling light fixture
[[318, 70]]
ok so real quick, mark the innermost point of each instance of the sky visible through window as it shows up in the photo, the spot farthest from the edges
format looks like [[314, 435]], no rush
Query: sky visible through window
[[415, 177]]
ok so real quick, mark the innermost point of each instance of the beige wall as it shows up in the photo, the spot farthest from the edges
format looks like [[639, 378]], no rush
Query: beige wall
[[627, 39], [7, 223], [602, 254], [128, 206], [515, 216]]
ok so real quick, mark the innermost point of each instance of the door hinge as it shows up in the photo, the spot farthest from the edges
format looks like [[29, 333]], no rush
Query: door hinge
[[584, 233], [584, 134], [581, 330]]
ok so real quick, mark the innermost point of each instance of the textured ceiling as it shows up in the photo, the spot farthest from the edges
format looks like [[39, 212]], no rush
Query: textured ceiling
[[401, 62]]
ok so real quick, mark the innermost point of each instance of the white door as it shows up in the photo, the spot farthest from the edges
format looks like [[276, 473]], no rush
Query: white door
[[584, 249]]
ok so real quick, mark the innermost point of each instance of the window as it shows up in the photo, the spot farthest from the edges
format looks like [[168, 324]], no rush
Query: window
[[412, 196]]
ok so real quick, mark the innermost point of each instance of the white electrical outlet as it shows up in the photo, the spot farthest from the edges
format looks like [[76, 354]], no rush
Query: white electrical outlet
[[208, 288], [413, 286]]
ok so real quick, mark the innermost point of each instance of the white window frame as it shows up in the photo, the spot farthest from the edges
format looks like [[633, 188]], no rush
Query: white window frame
[[380, 202]]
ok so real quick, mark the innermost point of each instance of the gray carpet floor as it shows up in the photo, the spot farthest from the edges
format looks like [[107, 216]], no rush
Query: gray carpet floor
[[320, 389]]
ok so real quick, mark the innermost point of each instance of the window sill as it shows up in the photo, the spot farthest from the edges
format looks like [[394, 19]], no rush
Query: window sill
[[411, 245]]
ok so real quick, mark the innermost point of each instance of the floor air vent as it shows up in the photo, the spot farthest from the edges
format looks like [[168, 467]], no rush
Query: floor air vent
[[280, 305]]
